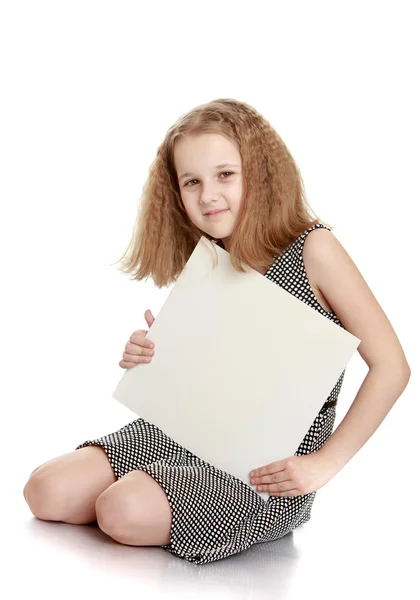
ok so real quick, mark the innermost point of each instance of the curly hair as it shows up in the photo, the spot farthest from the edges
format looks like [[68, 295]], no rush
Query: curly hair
[[273, 210]]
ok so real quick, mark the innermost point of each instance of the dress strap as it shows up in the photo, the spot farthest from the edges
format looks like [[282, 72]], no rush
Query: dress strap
[[303, 236]]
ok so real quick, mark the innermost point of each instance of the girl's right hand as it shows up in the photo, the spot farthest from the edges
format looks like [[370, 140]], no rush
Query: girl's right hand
[[138, 349]]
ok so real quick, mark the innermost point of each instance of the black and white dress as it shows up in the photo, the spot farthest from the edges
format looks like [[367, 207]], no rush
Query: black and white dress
[[214, 514]]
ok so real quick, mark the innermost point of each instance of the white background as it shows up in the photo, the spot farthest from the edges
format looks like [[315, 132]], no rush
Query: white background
[[89, 90]]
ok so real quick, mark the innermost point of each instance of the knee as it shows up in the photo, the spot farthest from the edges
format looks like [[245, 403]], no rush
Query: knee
[[40, 493], [116, 514]]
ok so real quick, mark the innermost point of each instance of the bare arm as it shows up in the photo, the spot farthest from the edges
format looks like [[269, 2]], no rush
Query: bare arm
[[381, 388], [332, 270]]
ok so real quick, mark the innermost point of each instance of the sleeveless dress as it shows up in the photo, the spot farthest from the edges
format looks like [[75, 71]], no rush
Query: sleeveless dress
[[215, 514]]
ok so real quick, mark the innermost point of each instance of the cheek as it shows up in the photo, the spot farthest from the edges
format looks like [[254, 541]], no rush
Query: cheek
[[191, 204], [191, 210], [186, 204]]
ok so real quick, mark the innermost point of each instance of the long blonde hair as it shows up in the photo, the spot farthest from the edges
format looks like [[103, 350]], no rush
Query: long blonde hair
[[273, 210]]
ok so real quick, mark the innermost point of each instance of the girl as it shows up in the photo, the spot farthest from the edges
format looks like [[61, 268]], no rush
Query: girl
[[222, 171]]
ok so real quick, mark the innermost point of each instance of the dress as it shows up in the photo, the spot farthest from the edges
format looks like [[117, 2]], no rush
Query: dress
[[215, 514]]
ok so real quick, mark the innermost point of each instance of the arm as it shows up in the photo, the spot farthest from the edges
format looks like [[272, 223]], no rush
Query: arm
[[333, 272], [381, 388]]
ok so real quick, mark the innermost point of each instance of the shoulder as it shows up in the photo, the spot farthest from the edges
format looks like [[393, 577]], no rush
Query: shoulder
[[334, 273], [318, 243], [327, 262]]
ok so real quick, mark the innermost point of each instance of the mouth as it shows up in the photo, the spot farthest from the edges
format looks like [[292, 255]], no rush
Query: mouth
[[215, 212]]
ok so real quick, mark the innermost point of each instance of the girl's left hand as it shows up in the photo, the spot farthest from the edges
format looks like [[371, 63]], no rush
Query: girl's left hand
[[294, 475]]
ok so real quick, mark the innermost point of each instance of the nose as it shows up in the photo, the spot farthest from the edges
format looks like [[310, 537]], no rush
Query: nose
[[208, 194]]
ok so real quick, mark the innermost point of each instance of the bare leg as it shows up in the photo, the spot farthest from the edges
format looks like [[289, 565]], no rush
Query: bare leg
[[135, 511], [66, 487]]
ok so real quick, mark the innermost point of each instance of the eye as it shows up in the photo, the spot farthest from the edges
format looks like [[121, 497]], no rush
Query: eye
[[187, 184]]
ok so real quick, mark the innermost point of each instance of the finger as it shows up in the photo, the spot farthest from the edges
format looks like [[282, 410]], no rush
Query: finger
[[127, 365], [135, 349], [138, 342], [281, 486], [274, 467], [294, 492], [273, 479], [138, 338], [124, 364], [136, 358], [149, 317]]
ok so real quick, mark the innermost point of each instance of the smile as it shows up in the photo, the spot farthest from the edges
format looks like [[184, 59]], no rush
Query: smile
[[216, 214]]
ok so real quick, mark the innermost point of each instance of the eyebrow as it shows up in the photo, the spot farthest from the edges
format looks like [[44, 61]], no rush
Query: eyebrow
[[216, 167]]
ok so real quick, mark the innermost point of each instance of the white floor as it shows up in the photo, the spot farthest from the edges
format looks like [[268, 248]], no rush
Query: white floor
[[362, 539]]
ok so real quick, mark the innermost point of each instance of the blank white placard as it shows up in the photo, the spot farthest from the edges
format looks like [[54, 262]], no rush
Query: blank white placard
[[241, 366]]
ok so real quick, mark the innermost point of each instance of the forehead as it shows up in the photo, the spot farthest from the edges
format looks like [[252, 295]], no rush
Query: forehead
[[204, 149]]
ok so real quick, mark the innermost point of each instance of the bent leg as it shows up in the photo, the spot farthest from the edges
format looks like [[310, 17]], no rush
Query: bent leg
[[135, 511], [66, 487]]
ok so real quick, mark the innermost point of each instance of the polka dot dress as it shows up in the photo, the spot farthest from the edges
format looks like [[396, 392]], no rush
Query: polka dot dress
[[215, 514]]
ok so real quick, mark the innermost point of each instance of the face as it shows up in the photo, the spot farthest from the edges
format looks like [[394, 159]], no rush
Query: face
[[209, 171]]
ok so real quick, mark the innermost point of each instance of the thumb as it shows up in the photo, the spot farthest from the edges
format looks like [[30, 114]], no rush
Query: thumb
[[149, 317]]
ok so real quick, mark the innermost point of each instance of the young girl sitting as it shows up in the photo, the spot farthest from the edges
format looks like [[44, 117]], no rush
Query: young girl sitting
[[223, 172]]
